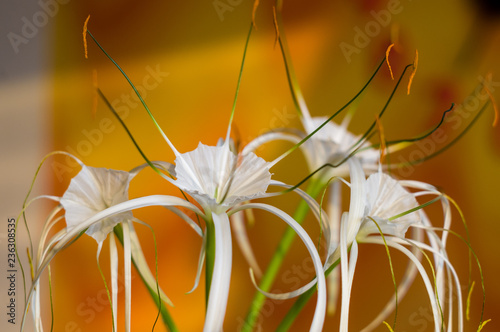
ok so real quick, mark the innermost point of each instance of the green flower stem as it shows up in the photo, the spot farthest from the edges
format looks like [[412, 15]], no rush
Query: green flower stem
[[267, 280], [300, 303], [165, 315], [210, 256]]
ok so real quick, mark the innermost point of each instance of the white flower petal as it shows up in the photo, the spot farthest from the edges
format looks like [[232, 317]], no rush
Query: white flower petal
[[113, 261], [331, 144], [201, 260], [403, 287], [357, 203], [320, 215], [449, 268], [319, 313], [221, 278], [275, 135], [219, 179], [334, 211], [93, 190], [385, 198], [141, 263], [347, 272], [421, 269], [240, 233], [127, 261]]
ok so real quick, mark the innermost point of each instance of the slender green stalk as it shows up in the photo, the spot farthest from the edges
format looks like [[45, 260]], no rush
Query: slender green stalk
[[209, 257], [239, 82], [107, 293], [274, 266]]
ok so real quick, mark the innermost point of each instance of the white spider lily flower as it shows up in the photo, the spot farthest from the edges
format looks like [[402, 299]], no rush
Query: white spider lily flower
[[327, 150], [390, 209], [385, 198], [93, 190], [90, 192], [381, 204], [222, 181], [66, 236], [332, 144], [218, 179]]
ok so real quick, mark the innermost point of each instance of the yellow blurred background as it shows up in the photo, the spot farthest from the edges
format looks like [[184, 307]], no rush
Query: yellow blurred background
[[186, 56]]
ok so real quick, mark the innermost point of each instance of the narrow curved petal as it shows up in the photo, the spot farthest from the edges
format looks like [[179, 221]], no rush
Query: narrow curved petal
[[334, 211], [357, 210], [127, 261], [142, 265], [269, 137], [163, 165], [403, 287], [113, 262], [357, 203], [450, 268], [201, 260], [240, 233], [320, 311], [221, 278], [193, 224], [47, 226], [347, 272], [320, 215], [421, 269], [324, 223]]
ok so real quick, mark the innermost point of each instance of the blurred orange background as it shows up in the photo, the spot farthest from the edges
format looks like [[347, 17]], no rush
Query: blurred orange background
[[186, 57]]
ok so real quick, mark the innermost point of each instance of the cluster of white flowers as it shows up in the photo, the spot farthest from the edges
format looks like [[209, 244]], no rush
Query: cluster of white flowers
[[223, 182]]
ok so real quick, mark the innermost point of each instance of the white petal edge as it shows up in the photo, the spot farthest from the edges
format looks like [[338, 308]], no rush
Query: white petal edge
[[320, 215], [347, 272], [334, 209], [240, 233], [450, 268], [269, 137], [127, 261], [403, 287], [113, 261], [201, 260], [221, 277], [142, 264], [320, 311]]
